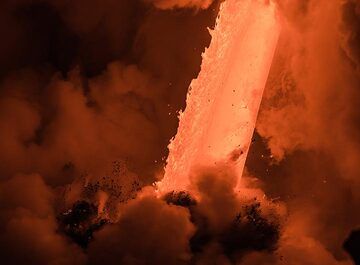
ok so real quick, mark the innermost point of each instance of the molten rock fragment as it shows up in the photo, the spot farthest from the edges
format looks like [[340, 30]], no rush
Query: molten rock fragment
[[247, 229], [80, 222], [91, 202], [115, 187], [250, 231], [181, 198]]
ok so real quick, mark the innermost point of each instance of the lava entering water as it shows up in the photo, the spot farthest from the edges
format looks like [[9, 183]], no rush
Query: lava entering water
[[223, 102]]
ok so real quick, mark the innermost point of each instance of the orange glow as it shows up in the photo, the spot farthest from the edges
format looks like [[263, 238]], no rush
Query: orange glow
[[223, 102]]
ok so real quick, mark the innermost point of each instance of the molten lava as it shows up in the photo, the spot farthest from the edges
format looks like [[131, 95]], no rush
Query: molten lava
[[223, 102]]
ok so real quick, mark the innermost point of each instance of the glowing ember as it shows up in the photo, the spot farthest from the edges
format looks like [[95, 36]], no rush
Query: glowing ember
[[223, 102]]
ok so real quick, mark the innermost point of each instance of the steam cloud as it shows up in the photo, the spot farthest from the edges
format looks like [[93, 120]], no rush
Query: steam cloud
[[85, 83], [309, 118]]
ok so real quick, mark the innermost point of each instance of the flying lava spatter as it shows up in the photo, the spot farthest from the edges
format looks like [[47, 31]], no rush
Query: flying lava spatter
[[223, 102]]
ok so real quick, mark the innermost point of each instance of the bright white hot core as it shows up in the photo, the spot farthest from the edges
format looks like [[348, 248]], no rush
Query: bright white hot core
[[223, 102]]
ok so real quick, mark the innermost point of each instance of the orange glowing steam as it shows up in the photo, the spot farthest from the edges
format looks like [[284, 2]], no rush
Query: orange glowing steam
[[223, 102]]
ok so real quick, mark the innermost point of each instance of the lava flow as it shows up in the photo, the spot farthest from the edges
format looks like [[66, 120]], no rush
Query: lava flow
[[223, 102]]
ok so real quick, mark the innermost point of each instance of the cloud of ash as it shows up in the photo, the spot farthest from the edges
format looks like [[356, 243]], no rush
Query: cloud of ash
[[212, 224], [149, 231], [67, 132], [84, 84], [28, 227]]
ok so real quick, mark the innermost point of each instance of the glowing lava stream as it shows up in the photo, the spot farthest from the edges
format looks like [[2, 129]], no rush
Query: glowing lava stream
[[223, 102]]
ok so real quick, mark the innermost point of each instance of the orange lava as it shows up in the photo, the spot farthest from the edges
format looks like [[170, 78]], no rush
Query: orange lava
[[223, 102]]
